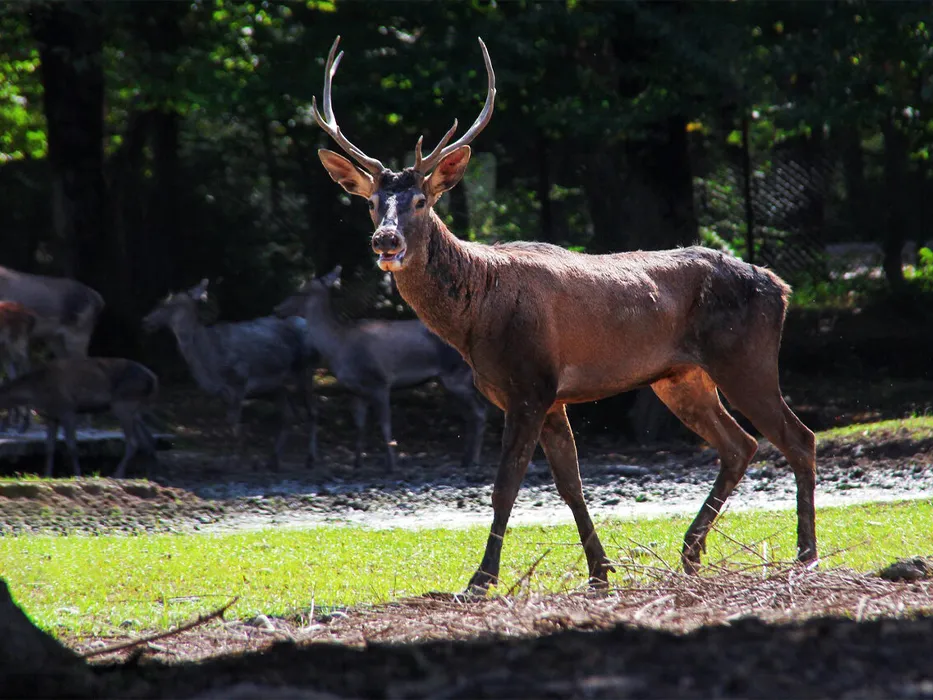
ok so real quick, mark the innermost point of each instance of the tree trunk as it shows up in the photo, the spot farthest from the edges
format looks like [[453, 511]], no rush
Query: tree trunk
[[895, 180], [70, 39]]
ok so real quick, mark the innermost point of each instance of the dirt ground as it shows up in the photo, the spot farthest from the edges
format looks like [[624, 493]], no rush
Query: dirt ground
[[780, 632]]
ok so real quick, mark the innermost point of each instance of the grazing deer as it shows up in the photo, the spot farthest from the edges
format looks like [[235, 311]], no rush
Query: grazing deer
[[17, 324], [371, 357], [543, 327], [66, 310], [62, 389], [236, 361]]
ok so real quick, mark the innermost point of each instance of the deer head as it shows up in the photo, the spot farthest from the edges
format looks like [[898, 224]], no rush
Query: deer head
[[400, 203], [174, 305], [315, 290]]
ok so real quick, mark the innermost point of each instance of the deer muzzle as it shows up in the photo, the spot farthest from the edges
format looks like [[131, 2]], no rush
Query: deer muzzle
[[390, 247]]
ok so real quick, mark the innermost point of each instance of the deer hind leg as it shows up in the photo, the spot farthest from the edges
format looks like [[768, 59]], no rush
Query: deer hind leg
[[691, 395], [520, 435], [754, 390], [51, 437], [360, 408], [130, 422], [561, 452]]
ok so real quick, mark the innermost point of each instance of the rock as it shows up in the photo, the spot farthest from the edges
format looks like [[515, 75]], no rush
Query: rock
[[262, 622], [908, 570], [627, 470], [33, 663]]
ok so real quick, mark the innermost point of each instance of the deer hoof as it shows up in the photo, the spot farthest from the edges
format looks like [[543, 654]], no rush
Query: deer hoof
[[479, 584]]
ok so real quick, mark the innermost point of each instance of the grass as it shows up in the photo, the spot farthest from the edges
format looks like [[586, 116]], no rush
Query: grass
[[915, 427], [96, 585]]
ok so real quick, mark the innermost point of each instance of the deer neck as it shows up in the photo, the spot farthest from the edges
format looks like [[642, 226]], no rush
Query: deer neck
[[442, 283], [196, 347], [325, 330]]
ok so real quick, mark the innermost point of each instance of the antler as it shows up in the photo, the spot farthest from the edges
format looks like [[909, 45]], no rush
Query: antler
[[426, 164], [329, 122]]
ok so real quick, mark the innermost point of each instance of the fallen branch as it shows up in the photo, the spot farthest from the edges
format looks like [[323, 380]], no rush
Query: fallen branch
[[219, 612]]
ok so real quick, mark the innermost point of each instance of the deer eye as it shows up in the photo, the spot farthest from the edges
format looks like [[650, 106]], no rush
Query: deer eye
[[419, 204], [372, 205]]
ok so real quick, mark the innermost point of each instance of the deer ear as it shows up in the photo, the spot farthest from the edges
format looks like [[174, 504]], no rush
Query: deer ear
[[333, 277], [199, 292], [447, 173], [347, 175]]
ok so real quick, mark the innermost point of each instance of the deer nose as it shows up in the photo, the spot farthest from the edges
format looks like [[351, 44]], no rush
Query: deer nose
[[386, 242]]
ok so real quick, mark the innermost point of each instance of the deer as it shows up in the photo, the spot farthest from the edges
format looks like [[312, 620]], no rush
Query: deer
[[240, 360], [372, 357], [543, 327], [62, 389], [17, 324], [66, 310]]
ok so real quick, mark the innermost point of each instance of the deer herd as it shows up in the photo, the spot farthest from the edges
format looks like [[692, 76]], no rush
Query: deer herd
[[530, 327]]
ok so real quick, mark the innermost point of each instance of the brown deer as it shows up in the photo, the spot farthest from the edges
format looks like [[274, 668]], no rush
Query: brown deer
[[17, 324], [62, 389], [543, 327]]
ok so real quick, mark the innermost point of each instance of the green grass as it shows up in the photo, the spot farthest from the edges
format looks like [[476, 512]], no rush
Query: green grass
[[82, 585], [915, 427]]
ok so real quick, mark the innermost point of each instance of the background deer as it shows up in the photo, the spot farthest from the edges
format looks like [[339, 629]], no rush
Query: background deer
[[62, 389], [543, 327], [16, 326], [371, 357], [66, 310], [236, 361]]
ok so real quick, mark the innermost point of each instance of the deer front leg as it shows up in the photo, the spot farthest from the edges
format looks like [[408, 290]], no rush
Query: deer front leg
[[311, 405], [69, 422], [522, 427], [285, 416], [51, 436], [561, 452]]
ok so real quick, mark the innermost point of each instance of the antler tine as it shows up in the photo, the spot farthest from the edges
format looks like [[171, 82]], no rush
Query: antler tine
[[443, 142], [329, 122], [425, 165]]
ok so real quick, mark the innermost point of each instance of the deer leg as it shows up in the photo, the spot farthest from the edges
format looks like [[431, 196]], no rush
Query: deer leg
[[756, 393], [522, 428], [475, 413], [234, 413], [311, 404], [127, 414], [384, 414], [69, 421], [561, 452], [692, 397], [285, 416], [360, 407], [51, 437]]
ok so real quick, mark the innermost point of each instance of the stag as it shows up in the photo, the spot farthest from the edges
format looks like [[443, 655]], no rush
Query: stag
[[236, 361], [369, 358], [62, 389], [543, 327]]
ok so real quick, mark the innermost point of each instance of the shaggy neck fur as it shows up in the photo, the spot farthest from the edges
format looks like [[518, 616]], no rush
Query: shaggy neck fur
[[445, 281]]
